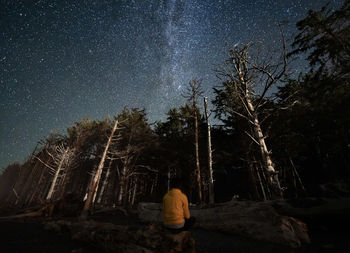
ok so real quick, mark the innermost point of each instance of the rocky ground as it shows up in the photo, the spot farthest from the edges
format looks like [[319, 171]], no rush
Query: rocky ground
[[29, 236], [22, 235]]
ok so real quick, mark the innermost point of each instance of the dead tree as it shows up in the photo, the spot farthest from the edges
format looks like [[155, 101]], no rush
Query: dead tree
[[96, 179], [248, 78], [135, 136], [62, 158], [296, 175], [210, 160], [128, 158], [193, 92], [38, 184], [57, 173], [260, 183], [105, 182]]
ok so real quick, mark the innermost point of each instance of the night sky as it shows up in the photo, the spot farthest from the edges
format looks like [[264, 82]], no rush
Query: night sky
[[61, 61]]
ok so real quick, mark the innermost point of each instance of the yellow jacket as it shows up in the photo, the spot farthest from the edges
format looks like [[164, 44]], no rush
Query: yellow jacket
[[175, 207]]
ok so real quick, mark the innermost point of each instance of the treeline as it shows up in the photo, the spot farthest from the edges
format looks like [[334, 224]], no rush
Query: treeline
[[279, 137]]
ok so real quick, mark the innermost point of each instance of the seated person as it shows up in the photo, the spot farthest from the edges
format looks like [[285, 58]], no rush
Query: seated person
[[176, 215]]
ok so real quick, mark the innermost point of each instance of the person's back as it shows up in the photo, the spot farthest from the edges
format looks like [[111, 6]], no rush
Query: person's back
[[175, 208], [176, 214]]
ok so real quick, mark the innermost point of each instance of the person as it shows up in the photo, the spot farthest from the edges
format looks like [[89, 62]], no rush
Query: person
[[176, 214]]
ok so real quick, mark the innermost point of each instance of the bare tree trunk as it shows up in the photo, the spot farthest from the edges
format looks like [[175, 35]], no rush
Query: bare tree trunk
[[192, 94], [265, 154], [62, 184], [96, 191], [105, 182], [37, 186], [53, 184], [97, 177], [134, 192], [210, 161], [16, 195], [261, 184], [122, 184], [266, 183], [198, 170], [129, 192], [154, 183], [66, 179], [297, 175], [254, 184], [246, 71]]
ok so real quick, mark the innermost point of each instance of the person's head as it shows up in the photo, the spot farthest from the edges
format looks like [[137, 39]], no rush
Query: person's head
[[176, 183]]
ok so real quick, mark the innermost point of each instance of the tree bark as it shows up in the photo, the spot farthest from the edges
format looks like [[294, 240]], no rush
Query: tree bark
[[134, 192], [260, 183], [122, 184], [265, 154], [192, 94], [97, 177], [105, 182], [210, 161], [198, 170], [297, 175], [53, 184]]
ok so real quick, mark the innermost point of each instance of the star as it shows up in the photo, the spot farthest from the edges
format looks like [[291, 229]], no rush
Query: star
[[64, 60]]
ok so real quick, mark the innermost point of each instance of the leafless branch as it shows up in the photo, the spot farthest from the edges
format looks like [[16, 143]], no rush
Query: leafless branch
[[252, 138], [147, 167], [51, 168]]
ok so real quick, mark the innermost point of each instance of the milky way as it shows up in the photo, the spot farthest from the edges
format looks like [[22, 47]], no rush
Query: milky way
[[61, 61]]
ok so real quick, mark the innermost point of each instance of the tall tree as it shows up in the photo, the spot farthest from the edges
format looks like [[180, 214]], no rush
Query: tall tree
[[326, 35], [318, 101], [97, 176], [62, 158], [247, 78], [210, 159], [88, 138], [135, 137], [192, 94]]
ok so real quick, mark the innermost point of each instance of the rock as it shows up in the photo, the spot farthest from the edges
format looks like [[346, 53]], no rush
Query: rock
[[116, 238], [313, 208], [158, 238], [149, 212], [257, 220]]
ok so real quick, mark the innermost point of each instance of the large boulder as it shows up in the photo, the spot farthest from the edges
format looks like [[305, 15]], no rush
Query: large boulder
[[257, 220]]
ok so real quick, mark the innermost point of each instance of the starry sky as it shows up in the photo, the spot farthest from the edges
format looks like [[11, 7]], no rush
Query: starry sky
[[63, 60]]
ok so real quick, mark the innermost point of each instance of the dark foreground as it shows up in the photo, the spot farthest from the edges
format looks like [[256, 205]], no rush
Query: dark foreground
[[29, 235]]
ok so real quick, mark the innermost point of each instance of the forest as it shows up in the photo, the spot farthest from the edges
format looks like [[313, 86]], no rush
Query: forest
[[278, 136], [266, 157]]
